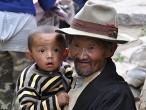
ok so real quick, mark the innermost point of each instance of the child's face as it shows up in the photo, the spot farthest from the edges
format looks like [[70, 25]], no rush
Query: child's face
[[47, 52]]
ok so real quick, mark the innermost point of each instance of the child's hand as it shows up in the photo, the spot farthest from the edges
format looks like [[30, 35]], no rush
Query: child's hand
[[63, 98]]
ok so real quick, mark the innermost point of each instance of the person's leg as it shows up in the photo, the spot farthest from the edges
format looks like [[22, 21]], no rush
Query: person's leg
[[20, 62], [6, 82], [11, 66]]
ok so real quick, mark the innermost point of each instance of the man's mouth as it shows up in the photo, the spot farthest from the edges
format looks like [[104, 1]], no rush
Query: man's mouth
[[83, 63]]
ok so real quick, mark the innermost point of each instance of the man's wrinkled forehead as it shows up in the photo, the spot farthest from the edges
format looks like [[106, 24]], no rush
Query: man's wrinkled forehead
[[89, 40], [83, 38]]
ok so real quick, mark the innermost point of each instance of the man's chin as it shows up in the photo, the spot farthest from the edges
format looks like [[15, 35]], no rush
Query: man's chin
[[83, 72]]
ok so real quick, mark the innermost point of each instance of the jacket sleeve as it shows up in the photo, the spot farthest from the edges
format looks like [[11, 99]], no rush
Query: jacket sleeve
[[46, 4], [30, 98]]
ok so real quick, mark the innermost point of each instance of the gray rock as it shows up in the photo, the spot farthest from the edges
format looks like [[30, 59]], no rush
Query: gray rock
[[131, 12], [138, 57]]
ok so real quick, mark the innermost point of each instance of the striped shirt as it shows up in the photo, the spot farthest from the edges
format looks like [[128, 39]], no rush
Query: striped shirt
[[36, 90]]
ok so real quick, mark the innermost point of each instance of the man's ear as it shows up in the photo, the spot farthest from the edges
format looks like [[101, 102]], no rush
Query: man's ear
[[66, 53], [29, 55], [112, 50]]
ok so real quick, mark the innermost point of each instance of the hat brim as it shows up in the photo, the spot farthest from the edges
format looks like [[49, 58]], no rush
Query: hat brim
[[74, 32]]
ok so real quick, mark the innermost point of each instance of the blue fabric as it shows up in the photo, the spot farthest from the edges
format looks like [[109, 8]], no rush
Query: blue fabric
[[80, 3], [24, 6]]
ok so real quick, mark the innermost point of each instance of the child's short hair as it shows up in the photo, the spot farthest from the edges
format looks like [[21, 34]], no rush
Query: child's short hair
[[46, 29]]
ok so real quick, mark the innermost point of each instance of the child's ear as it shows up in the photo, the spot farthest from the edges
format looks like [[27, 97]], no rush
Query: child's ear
[[66, 53], [29, 55]]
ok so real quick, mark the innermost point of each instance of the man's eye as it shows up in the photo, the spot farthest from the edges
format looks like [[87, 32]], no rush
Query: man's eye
[[75, 46], [91, 48]]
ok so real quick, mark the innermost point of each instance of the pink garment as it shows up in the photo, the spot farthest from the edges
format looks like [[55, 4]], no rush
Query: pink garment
[[52, 17]]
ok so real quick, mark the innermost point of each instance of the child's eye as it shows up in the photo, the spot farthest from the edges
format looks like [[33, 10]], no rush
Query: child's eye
[[57, 50], [41, 50]]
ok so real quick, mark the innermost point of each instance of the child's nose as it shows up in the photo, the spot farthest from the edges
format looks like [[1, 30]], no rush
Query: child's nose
[[49, 55]]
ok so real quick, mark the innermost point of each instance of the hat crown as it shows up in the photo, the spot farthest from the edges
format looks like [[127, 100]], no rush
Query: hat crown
[[95, 20], [97, 13]]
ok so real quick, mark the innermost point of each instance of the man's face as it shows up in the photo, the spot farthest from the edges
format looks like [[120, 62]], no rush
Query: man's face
[[89, 55]]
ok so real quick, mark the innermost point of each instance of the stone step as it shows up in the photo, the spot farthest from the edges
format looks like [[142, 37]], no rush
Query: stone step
[[130, 12]]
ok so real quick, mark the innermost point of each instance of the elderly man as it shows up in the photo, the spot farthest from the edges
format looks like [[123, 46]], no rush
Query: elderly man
[[93, 38]]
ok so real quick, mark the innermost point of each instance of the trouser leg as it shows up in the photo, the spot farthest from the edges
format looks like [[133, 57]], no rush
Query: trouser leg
[[20, 61], [6, 88], [11, 66]]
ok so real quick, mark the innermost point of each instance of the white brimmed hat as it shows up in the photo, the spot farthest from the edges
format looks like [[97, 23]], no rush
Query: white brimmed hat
[[95, 20]]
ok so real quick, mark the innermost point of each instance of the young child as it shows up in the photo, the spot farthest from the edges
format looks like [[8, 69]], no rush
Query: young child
[[44, 85]]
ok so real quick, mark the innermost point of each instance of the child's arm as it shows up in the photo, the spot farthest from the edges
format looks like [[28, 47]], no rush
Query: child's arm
[[29, 96], [29, 99], [67, 76]]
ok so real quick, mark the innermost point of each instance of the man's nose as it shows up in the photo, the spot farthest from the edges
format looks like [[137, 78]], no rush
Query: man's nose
[[83, 54]]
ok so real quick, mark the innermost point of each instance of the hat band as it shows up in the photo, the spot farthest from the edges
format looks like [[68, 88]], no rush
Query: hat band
[[107, 30]]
